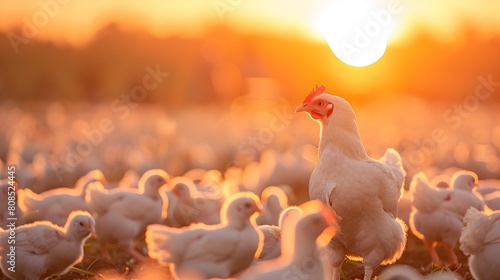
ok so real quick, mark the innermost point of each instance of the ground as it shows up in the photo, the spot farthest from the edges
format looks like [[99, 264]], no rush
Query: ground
[[125, 268]]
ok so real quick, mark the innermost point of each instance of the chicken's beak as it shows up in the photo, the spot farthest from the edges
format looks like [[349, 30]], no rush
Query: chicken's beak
[[92, 229], [301, 108]]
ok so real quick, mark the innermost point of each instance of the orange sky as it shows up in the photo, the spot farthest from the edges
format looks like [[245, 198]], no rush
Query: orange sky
[[77, 21]]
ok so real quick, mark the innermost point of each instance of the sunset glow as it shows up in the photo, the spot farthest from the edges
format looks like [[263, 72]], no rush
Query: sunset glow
[[76, 22]]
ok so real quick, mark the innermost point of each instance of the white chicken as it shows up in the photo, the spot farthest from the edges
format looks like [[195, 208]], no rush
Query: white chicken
[[398, 272], [492, 199], [489, 185], [188, 205], [130, 180], [232, 181], [437, 215], [274, 200], [464, 184], [362, 191], [122, 215], [301, 258], [271, 248], [81, 183], [43, 249], [56, 204], [480, 240], [201, 252]]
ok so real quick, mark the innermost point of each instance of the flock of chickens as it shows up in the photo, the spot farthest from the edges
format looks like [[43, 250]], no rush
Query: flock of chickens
[[205, 224]]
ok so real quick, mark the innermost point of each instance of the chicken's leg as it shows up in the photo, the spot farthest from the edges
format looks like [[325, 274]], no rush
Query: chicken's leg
[[335, 255], [370, 262], [337, 270], [452, 257], [368, 273], [430, 245], [104, 250], [134, 253]]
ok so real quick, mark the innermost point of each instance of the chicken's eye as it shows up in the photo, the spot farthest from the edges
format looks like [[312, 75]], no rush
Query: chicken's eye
[[81, 224], [320, 103], [247, 205]]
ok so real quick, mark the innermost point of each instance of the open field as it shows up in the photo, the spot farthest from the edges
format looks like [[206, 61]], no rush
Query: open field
[[42, 137]]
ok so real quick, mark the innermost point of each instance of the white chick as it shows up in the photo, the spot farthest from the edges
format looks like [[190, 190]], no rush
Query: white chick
[[398, 272], [443, 275], [271, 248], [271, 245], [195, 175], [122, 215], [274, 200], [486, 190], [492, 200], [211, 187], [441, 181], [130, 180], [81, 183], [437, 216], [301, 257], [210, 181], [232, 181], [480, 240], [188, 205], [464, 184], [56, 204], [43, 249], [202, 252], [488, 185]]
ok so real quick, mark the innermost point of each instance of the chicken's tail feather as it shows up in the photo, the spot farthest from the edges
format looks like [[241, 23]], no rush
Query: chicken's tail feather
[[160, 244], [392, 158], [394, 161], [474, 232], [398, 248], [96, 197], [91, 181], [27, 199]]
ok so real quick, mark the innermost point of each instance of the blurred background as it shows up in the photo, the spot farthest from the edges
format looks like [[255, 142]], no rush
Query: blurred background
[[122, 84]]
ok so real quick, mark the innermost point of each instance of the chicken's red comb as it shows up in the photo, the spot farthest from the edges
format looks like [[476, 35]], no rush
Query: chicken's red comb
[[314, 92]]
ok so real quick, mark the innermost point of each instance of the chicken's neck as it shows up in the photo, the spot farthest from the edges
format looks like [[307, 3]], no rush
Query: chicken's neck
[[85, 187], [304, 249], [239, 223], [72, 236], [342, 137], [152, 193]]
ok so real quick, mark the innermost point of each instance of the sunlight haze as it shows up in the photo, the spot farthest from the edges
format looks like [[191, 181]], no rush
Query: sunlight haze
[[81, 19]]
